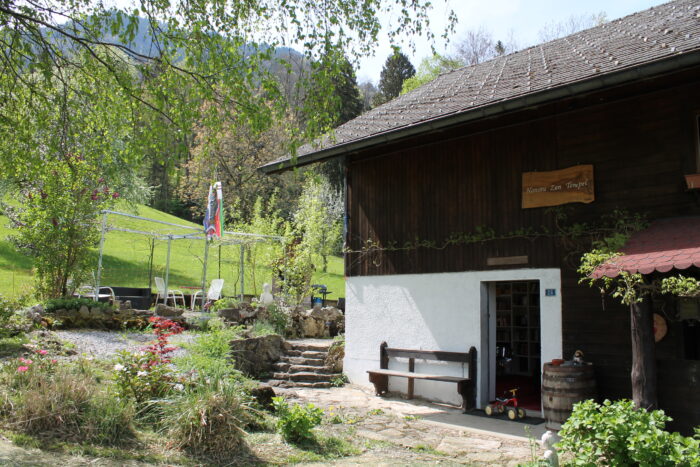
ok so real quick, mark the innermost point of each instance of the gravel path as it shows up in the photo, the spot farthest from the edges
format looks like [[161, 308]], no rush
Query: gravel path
[[103, 345]]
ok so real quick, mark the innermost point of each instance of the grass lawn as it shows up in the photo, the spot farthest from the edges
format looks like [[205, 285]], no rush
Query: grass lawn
[[126, 258]]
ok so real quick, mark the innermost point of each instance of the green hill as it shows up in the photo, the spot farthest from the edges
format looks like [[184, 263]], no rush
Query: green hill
[[126, 259]]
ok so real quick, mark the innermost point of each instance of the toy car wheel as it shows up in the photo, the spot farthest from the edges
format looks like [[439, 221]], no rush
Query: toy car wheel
[[521, 412], [488, 410], [512, 413]]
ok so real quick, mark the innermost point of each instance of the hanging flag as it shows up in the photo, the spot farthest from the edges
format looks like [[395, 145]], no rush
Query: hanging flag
[[213, 220]]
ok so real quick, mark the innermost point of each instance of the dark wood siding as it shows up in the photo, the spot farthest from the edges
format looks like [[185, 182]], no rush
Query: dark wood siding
[[640, 145]]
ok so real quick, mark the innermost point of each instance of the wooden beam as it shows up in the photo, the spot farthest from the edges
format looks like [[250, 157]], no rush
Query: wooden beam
[[644, 379], [507, 260]]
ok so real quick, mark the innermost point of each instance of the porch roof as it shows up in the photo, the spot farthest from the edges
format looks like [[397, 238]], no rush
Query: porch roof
[[666, 244]]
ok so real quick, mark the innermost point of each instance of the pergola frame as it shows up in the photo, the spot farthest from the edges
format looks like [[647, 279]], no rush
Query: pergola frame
[[198, 234]]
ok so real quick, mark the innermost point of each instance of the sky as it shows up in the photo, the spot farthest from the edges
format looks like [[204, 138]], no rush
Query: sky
[[525, 18]]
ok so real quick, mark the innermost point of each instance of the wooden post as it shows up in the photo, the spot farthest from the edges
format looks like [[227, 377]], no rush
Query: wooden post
[[383, 357], [644, 378], [411, 369]]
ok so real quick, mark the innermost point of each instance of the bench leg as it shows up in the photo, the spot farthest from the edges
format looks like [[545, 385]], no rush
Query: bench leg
[[381, 383], [466, 390]]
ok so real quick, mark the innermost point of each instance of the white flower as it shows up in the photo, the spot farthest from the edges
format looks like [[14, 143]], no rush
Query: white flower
[[141, 373], [118, 367], [179, 387]]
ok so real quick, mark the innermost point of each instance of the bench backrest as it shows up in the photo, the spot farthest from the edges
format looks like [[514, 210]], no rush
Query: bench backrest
[[386, 352]]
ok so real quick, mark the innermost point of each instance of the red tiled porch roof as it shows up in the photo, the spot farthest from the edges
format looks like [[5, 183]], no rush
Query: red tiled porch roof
[[666, 244]]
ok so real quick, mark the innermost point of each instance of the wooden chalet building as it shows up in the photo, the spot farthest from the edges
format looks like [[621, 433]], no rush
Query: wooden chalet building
[[616, 108]]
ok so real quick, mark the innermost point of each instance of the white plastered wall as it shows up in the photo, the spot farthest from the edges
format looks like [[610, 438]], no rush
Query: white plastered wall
[[445, 311]]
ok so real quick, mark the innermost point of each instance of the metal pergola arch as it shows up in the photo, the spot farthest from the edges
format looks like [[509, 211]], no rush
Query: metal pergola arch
[[243, 239]]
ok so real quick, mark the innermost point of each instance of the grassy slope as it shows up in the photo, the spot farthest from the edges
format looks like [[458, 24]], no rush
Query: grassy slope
[[126, 260]]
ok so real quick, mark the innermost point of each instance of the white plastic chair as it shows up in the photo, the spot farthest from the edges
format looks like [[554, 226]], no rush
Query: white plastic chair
[[213, 294], [172, 294], [88, 291]]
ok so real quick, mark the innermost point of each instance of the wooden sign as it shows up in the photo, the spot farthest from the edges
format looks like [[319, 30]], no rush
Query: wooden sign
[[571, 185]]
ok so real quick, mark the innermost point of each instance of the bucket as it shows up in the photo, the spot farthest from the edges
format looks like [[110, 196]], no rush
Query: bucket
[[562, 387]]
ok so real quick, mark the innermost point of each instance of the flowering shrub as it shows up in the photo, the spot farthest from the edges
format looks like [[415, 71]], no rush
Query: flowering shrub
[[38, 363], [147, 374]]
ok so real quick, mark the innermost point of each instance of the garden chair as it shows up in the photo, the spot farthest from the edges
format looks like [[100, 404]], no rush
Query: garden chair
[[213, 294], [171, 294], [88, 291]]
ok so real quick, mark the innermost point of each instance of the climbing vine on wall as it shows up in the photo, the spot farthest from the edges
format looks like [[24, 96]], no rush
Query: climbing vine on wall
[[575, 237]]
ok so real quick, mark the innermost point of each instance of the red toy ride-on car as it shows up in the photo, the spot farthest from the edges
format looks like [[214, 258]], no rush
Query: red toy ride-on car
[[506, 404]]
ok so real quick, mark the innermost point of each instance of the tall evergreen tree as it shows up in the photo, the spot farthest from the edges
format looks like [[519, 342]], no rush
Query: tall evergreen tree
[[397, 69], [349, 105], [345, 87]]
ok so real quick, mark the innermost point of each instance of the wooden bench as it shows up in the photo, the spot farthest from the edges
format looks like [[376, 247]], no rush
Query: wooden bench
[[465, 386]]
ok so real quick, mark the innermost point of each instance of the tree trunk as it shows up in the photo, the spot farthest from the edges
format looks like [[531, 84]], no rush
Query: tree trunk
[[643, 355]]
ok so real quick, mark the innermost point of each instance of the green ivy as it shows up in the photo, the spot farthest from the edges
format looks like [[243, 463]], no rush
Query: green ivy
[[681, 286]]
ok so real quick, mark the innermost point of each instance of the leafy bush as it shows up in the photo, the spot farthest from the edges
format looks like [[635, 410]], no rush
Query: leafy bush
[[263, 328], [296, 422], [278, 318], [10, 320], [75, 303], [615, 433], [340, 380], [210, 354], [224, 303]]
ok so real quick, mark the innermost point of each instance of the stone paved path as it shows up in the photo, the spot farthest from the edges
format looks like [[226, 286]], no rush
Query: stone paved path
[[420, 426]]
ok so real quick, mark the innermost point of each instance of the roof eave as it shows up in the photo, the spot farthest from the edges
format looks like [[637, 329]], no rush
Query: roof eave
[[644, 71]]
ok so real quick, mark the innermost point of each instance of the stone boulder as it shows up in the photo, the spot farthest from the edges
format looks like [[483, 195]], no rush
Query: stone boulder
[[255, 356], [243, 313], [168, 311], [334, 359], [263, 395], [318, 322]]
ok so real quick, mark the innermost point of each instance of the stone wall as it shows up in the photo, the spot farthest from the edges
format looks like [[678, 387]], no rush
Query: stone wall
[[255, 356]]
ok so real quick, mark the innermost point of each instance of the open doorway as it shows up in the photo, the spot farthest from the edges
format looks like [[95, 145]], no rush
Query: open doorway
[[517, 340]]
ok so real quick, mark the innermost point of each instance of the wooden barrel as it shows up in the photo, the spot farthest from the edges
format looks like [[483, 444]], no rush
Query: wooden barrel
[[562, 387]]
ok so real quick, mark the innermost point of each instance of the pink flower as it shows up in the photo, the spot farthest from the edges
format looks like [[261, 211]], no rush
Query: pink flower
[[26, 361], [54, 361], [22, 369], [42, 352]]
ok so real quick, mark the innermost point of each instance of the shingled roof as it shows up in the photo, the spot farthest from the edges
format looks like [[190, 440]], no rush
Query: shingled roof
[[656, 40]]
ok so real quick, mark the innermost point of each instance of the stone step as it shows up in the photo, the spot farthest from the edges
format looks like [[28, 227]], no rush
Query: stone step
[[314, 354], [303, 346], [306, 353], [290, 368], [302, 361], [305, 376], [298, 384]]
